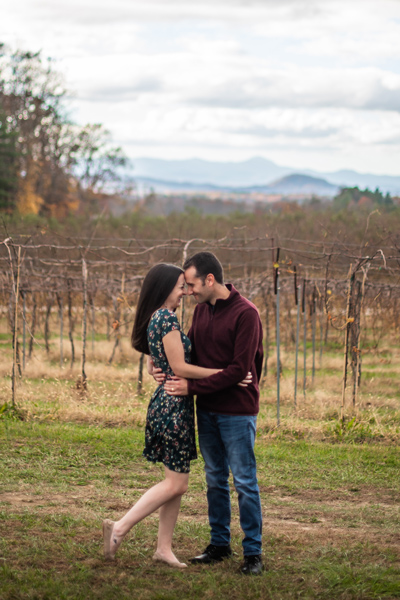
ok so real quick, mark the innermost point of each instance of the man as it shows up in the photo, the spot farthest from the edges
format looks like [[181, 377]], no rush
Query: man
[[226, 333]]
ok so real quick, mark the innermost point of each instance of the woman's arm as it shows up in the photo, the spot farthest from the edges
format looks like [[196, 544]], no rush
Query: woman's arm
[[176, 358]]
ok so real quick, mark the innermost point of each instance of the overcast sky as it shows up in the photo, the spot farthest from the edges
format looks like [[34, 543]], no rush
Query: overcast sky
[[308, 84]]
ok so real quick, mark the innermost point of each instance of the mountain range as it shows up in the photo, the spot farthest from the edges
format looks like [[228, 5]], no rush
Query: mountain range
[[254, 175]]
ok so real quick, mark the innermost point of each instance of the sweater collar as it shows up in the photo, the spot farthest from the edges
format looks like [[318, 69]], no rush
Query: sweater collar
[[222, 301]]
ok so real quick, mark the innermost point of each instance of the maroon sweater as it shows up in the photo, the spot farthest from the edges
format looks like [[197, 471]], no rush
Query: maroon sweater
[[227, 336]]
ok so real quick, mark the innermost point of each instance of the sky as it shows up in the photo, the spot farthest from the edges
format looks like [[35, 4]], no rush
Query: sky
[[307, 84]]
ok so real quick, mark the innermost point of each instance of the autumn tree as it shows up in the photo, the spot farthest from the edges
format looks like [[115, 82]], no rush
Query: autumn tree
[[100, 167], [351, 197], [58, 162], [31, 95], [8, 165]]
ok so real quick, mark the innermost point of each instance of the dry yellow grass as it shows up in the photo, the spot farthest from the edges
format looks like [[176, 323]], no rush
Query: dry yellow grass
[[48, 391]]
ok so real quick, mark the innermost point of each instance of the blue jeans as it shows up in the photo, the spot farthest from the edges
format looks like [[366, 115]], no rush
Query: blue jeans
[[227, 441]]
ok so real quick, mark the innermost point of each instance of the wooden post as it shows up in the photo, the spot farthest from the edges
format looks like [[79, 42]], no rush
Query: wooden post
[[278, 353], [184, 257], [15, 333], [46, 323], [33, 324], [346, 346], [267, 336], [116, 323], [140, 375], [314, 327], [296, 299], [321, 332], [93, 321], [326, 299], [60, 312], [70, 323], [357, 370], [23, 293], [109, 328], [121, 312], [303, 308], [84, 322]]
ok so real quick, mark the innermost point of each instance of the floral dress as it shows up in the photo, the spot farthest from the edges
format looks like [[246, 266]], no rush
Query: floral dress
[[170, 435]]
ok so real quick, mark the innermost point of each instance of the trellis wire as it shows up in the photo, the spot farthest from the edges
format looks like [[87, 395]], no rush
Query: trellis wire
[[35, 269]]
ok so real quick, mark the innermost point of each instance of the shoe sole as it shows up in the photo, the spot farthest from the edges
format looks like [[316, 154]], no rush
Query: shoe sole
[[196, 561]]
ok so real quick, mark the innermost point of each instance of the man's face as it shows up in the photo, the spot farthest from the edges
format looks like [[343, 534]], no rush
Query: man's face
[[202, 292]]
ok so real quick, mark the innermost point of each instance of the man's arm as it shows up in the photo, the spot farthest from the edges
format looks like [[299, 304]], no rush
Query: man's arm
[[248, 342], [177, 386]]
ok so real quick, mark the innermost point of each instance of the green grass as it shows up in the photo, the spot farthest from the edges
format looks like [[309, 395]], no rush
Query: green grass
[[329, 489], [331, 519]]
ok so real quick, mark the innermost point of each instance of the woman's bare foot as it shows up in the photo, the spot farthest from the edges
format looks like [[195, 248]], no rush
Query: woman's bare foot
[[169, 559], [111, 541]]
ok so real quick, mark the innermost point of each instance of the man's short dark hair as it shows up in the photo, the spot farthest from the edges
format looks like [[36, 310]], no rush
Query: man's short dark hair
[[205, 263]]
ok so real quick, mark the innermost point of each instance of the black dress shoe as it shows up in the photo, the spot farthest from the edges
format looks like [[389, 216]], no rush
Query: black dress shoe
[[252, 565], [212, 554]]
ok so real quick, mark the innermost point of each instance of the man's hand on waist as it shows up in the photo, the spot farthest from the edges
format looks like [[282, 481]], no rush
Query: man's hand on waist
[[177, 386]]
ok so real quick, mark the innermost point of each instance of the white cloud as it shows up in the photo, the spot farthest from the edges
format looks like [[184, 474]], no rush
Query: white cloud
[[358, 89], [293, 80]]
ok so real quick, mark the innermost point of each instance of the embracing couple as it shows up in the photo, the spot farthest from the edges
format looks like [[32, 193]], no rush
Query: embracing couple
[[220, 362]]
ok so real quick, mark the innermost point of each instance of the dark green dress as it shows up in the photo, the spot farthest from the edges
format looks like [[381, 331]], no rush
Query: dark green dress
[[170, 435]]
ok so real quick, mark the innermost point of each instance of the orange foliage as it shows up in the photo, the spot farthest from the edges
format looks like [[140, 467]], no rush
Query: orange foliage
[[28, 202], [365, 201]]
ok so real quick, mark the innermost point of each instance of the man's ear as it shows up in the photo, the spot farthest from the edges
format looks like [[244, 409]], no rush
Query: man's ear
[[210, 280]]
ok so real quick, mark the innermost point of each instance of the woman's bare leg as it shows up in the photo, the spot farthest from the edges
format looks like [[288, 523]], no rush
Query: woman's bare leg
[[168, 515], [171, 488]]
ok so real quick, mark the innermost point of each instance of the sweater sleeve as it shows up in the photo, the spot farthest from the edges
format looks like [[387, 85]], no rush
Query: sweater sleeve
[[248, 341]]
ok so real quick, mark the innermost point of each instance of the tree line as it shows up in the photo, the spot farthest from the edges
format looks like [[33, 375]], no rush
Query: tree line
[[354, 197], [49, 165]]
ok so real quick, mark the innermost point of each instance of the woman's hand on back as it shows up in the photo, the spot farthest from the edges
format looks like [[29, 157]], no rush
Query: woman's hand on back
[[176, 386], [247, 380]]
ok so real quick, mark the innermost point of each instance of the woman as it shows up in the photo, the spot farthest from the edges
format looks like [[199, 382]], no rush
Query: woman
[[170, 435]]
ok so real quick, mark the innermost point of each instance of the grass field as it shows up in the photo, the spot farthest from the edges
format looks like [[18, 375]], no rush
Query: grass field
[[330, 493]]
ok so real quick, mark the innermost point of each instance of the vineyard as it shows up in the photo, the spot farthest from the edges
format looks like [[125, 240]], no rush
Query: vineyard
[[68, 302], [74, 398]]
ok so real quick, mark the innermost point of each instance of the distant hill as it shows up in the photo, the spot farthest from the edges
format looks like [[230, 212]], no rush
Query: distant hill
[[163, 186], [291, 185], [249, 172], [205, 175], [347, 178], [298, 184]]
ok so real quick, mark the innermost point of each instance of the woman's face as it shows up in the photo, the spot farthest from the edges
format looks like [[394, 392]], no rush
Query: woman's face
[[174, 299]]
